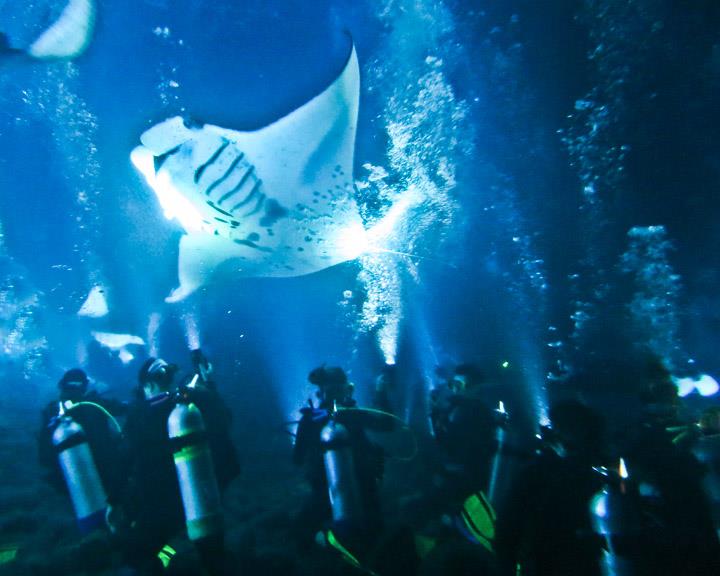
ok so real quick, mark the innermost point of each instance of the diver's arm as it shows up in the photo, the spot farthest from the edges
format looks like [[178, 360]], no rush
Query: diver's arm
[[302, 436]]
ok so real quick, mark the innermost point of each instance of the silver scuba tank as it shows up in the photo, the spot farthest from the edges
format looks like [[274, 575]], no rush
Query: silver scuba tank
[[616, 519], [340, 473], [81, 475], [195, 472]]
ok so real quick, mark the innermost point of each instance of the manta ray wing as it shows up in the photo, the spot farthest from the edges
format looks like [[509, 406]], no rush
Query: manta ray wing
[[69, 36], [278, 200]]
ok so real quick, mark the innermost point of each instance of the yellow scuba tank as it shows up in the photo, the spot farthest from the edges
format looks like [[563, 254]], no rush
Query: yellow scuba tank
[[195, 472], [80, 472]]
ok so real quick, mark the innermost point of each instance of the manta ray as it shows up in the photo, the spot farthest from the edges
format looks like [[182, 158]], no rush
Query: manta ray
[[277, 201]]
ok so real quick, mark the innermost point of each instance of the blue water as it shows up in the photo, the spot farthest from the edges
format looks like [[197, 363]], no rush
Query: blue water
[[557, 163], [560, 160]]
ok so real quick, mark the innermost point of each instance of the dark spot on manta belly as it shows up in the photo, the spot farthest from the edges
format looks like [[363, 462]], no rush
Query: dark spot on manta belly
[[250, 242], [273, 212]]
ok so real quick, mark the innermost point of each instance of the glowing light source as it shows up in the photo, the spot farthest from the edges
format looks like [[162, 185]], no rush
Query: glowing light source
[[386, 226], [505, 364], [622, 469], [353, 241], [705, 384], [172, 201], [599, 506]]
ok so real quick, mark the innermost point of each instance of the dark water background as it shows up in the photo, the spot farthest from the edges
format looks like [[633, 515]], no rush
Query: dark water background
[[538, 134]]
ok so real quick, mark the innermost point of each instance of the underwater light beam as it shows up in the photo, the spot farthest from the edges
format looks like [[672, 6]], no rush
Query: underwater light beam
[[356, 241]]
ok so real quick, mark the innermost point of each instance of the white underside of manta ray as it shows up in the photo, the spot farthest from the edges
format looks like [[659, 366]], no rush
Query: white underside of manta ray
[[70, 35], [277, 201]]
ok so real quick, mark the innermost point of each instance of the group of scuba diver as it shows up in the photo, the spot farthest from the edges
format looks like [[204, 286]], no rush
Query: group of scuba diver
[[162, 472], [569, 500]]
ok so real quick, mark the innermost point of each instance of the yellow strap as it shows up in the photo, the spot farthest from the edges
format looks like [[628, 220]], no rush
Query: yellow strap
[[398, 421], [7, 554], [346, 554], [166, 555], [103, 410], [479, 518], [188, 453], [335, 543], [424, 545]]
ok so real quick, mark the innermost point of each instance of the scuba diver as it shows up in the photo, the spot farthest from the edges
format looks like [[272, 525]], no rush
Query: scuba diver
[[670, 471], [79, 448], [180, 458], [702, 438], [659, 402], [79, 420], [547, 528], [343, 467], [465, 423]]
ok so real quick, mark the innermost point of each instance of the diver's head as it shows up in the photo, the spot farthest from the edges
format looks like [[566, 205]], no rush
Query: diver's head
[[466, 376], [577, 429], [332, 383], [657, 386], [156, 376], [73, 385]]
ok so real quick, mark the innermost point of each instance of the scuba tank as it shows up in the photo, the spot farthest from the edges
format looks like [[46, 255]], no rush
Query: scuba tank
[[616, 519], [340, 472], [502, 418], [81, 475], [195, 472]]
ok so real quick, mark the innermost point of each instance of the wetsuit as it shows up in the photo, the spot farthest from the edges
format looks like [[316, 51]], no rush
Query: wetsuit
[[368, 459], [153, 501]]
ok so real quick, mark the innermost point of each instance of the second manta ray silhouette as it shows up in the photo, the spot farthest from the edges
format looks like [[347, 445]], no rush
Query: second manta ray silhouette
[[64, 39], [277, 201]]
